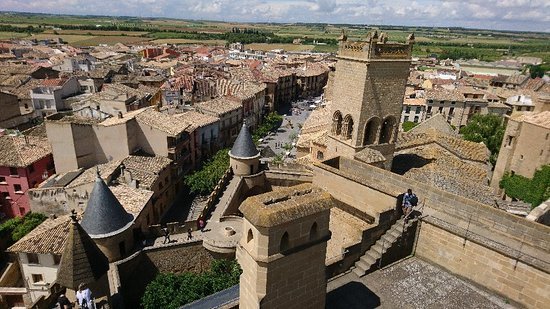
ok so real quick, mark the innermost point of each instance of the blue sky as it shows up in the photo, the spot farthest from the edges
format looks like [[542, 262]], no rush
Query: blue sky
[[533, 15]]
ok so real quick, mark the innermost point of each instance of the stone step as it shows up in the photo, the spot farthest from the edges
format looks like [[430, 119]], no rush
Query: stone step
[[389, 238], [362, 266], [358, 272], [379, 248], [368, 260], [395, 233], [373, 254]]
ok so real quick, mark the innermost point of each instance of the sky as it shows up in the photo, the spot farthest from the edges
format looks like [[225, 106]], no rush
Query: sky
[[529, 15]]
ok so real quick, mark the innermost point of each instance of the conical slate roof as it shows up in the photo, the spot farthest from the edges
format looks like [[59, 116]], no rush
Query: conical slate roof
[[104, 215], [244, 146], [81, 261]]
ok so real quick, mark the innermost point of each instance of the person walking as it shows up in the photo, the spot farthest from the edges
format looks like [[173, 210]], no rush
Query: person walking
[[166, 233], [189, 234]]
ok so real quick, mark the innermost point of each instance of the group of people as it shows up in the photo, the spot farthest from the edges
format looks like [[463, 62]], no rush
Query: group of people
[[201, 224], [84, 299]]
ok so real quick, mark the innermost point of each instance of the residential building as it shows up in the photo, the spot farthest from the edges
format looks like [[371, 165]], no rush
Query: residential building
[[79, 63], [230, 113], [80, 142], [520, 103], [413, 110], [48, 97], [525, 146], [25, 162], [206, 130], [143, 185]]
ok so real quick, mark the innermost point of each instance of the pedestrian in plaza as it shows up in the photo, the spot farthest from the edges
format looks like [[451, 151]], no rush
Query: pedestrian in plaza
[[189, 234]]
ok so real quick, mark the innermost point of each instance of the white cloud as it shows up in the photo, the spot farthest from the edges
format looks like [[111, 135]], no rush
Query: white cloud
[[497, 14]]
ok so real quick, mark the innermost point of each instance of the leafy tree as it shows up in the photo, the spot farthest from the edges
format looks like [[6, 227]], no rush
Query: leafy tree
[[536, 71], [533, 191], [20, 226], [175, 290], [408, 125], [204, 180], [488, 129], [271, 121]]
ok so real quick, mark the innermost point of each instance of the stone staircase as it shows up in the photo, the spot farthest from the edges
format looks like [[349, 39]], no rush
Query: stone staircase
[[376, 251]]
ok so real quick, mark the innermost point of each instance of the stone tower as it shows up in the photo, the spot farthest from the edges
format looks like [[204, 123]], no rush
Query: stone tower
[[244, 158], [283, 248], [368, 93]]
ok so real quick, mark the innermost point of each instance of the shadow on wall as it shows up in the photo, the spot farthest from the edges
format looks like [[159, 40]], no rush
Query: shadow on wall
[[404, 162], [352, 295]]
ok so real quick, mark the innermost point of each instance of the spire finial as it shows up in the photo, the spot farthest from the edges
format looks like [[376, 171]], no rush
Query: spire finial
[[73, 216]]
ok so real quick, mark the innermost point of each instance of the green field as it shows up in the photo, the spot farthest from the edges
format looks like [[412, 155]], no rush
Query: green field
[[443, 42]]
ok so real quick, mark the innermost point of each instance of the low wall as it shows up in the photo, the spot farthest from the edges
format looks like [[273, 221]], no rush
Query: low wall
[[135, 272], [474, 260]]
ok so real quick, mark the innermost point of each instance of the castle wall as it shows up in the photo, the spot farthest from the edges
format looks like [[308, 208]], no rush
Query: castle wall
[[513, 279], [461, 234]]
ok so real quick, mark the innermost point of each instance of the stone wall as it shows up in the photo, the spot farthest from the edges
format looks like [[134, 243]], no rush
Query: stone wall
[[541, 213], [136, 271], [505, 275], [461, 228]]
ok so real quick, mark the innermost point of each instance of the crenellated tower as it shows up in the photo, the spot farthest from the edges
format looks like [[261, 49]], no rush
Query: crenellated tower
[[368, 93]]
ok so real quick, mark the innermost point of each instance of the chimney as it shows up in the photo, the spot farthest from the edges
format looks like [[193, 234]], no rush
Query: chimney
[[53, 216]]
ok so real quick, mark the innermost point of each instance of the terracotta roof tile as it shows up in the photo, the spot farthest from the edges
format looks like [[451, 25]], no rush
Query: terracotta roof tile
[[21, 151]]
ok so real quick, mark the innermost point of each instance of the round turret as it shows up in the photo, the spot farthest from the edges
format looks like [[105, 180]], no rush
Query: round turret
[[244, 156]]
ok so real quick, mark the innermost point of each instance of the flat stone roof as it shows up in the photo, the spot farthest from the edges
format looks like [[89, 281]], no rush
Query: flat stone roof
[[277, 207], [409, 283]]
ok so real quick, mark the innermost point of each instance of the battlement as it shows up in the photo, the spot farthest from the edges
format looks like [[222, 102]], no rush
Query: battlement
[[376, 47]]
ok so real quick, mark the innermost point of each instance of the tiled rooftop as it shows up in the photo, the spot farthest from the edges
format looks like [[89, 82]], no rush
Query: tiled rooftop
[[197, 120], [541, 119], [133, 200], [461, 148], [169, 124], [49, 237], [219, 106], [444, 95], [21, 151]]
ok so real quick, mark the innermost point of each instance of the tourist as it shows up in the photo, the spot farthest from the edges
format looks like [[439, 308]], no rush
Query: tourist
[[409, 201], [84, 297], [201, 224], [64, 302], [189, 234], [166, 233]]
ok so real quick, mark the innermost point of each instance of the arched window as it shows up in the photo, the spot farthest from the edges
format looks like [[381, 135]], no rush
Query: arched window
[[371, 131], [313, 234], [387, 130], [348, 127], [320, 155], [250, 236], [285, 243], [336, 123]]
